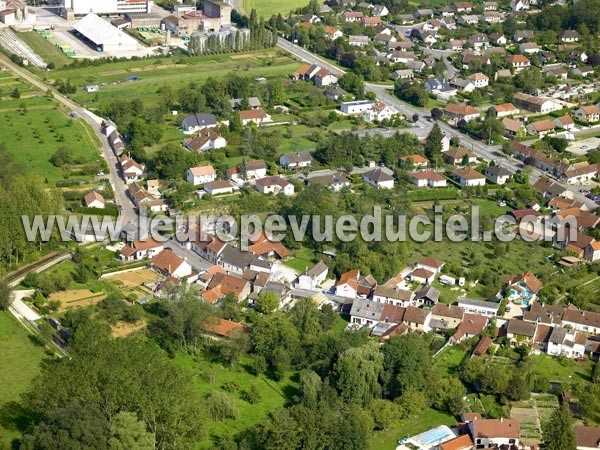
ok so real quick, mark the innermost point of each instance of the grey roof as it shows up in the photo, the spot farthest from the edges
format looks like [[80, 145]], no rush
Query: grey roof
[[100, 32], [261, 262], [297, 157], [253, 102], [236, 257], [522, 328], [378, 175], [366, 309], [276, 287], [428, 292], [329, 180], [390, 292], [478, 303], [558, 335], [199, 120], [497, 171], [317, 269]]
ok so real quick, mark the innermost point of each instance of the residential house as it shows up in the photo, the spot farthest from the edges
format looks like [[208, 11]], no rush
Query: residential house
[[223, 328], [312, 278], [431, 264], [535, 104], [428, 179], [421, 275], [324, 78], [403, 74], [223, 284], [200, 175], [518, 62], [416, 161], [218, 187], [169, 264], [253, 103], [541, 127], [274, 185], [541, 313], [142, 198], [585, 71], [461, 7], [461, 112], [141, 249], [468, 19], [423, 13], [470, 326], [462, 84], [588, 114], [570, 36], [347, 286], [479, 79], [94, 200], [379, 111], [463, 442], [523, 35], [493, 433], [529, 47], [333, 181], [489, 309], [459, 156], [580, 173], [356, 107], [247, 170], [368, 313], [335, 93], [379, 11], [497, 38], [370, 21], [479, 41], [379, 178], [332, 33], [519, 332], [427, 296], [469, 57], [406, 19], [234, 260], [352, 16], [401, 57], [456, 45], [417, 319], [257, 116], [132, 171], [196, 122], [446, 316], [153, 186], [497, 174], [468, 177], [585, 321], [587, 438], [505, 109], [207, 139], [492, 17], [440, 87], [358, 41], [448, 23], [513, 128], [564, 122], [295, 160], [392, 295], [592, 251]]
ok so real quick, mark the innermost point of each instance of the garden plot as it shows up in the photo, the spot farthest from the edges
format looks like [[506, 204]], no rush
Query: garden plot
[[76, 298]]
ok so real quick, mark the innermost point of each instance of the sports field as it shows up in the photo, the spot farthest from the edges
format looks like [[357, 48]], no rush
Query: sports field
[[267, 8]]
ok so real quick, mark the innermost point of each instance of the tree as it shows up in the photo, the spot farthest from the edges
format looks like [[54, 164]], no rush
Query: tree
[[436, 113], [16, 93], [407, 363], [220, 406], [558, 433], [127, 432], [267, 302], [384, 413], [433, 144], [5, 296], [357, 373], [62, 157], [253, 395]]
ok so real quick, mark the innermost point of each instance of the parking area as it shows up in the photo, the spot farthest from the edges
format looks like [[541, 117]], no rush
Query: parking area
[[584, 146]]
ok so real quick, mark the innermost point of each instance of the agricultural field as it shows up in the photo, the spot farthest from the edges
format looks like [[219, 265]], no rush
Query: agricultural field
[[211, 376], [532, 414], [19, 364], [132, 283], [33, 132], [76, 298], [267, 8], [179, 71]]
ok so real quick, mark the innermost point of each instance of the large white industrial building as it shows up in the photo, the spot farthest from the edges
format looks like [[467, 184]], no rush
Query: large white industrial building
[[105, 36], [83, 7]]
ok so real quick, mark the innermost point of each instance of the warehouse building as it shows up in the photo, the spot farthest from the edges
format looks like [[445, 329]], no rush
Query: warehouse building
[[104, 36]]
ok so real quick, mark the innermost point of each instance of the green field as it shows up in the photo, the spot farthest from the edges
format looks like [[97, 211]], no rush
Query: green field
[[274, 394], [179, 71], [267, 8], [19, 364], [45, 48], [33, 135], [450, 360]]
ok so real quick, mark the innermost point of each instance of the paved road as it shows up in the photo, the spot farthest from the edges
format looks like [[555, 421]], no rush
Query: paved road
[[191, 257], [118, 184]]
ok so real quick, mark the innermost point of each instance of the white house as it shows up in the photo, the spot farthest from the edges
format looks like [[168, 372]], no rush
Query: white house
[[431, 264], [94, 200], [274, 185], [493, 433], [489, 309], [497, 174], [379, 178], [358, 41], [207, 139], [196, 122], [563, 341], [257, 116], [468, 177], [312, 278], [247, 170], [379, 111], [347, 286], [132, 170], [356, 107], [295, 160], [428, 179], [587, 114], [200, 175], [393, 296], [218, 187], [168, 263], [137, 250], [479, 79]]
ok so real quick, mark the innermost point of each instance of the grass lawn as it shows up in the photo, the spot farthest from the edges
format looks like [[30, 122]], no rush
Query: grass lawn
[[569, 371], [267, 8], [450, 360], [19, 364], [302, 259], [429, 418], [45, 48], [32, 137], [211, 377], [178, 70]]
